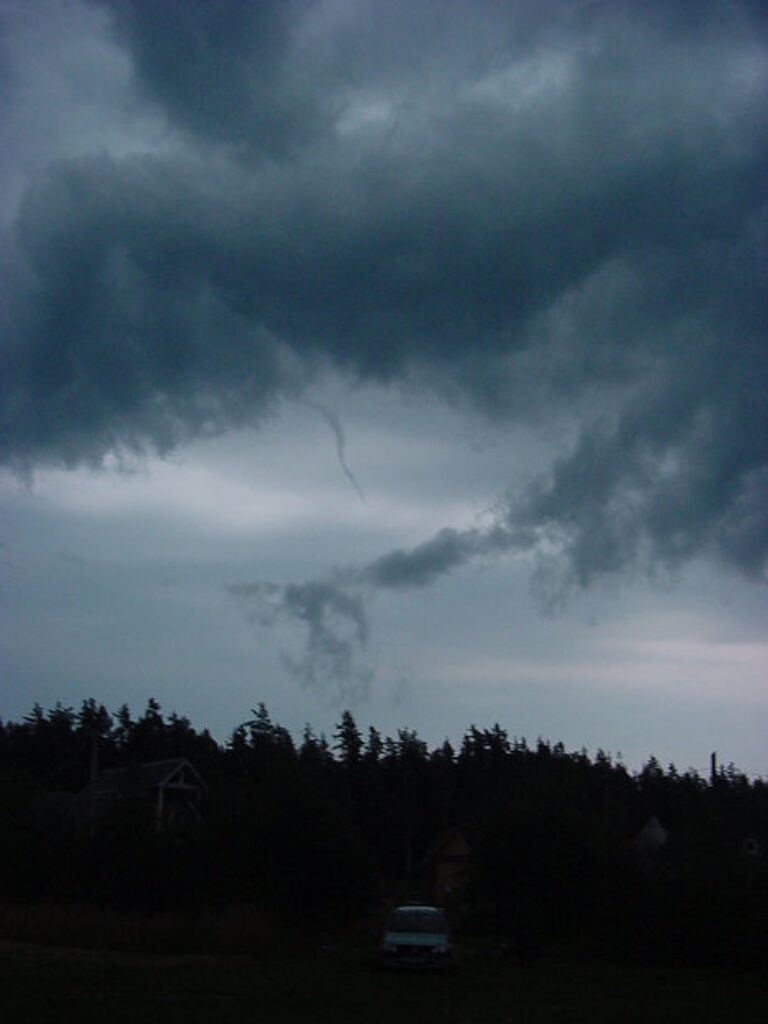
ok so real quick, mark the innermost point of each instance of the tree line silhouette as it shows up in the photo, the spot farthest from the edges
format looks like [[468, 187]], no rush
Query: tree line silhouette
[[328, 830]]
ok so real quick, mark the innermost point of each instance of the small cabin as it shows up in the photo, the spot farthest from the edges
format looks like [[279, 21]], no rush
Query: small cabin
[[447, 866], [173, 789], [649, 842]]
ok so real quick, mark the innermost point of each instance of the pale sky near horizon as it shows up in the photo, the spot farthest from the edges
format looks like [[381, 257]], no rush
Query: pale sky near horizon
[[405, 357]]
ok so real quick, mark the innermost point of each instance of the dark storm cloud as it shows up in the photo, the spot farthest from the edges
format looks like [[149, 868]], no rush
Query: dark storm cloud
[[330, 615], [335, 630], [226, 71], [537, 209], [446, 551], [118, 337]]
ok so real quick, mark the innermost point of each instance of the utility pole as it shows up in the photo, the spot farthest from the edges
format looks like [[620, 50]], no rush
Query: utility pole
[[93, 774]]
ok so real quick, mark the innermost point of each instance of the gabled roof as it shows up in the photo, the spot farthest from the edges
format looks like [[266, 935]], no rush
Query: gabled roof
[[175, 771], [652, 836], [451, 844]]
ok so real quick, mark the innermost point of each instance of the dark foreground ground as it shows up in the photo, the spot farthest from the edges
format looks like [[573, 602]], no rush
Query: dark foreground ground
[[41, 984]]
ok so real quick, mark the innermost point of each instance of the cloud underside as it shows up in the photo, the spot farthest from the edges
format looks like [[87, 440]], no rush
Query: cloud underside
[[538, 211]]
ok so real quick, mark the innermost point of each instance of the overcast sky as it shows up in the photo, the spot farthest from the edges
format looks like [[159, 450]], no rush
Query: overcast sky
[[401, 356]]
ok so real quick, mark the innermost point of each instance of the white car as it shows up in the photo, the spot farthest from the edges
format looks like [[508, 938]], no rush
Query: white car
[[416, 937]]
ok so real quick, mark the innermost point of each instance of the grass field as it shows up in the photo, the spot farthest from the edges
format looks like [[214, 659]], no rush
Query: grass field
[[47, 985]]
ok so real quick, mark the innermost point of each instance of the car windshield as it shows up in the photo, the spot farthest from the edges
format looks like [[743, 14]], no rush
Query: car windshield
[[416, 921]]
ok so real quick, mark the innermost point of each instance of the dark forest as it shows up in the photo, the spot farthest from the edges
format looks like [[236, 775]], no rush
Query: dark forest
[[657, 865]]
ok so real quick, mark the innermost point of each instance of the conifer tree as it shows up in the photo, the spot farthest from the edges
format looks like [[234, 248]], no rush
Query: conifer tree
[[349, 742]]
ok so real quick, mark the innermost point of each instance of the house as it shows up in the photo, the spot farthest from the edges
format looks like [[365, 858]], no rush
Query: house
[[649, 842], [172, 789], [447, 866]]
